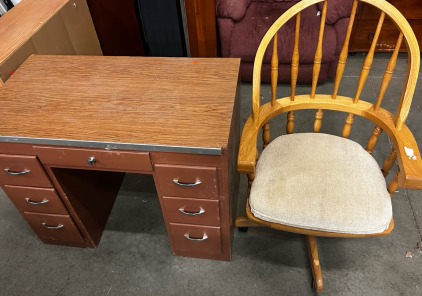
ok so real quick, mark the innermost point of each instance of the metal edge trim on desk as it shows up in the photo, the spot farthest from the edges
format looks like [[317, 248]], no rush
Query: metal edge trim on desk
[[112, 145]]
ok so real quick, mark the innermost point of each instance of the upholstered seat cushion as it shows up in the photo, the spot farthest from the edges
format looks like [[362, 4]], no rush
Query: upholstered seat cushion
[[320, 182]]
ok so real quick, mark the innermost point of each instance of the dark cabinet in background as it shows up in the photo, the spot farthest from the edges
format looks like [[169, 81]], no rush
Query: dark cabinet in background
[[117, 27], [155, 27], [366, 23]]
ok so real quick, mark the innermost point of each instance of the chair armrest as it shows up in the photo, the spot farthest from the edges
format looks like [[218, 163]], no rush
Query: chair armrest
[[234, 9], [408, 157], [248, 153], [337, 10]]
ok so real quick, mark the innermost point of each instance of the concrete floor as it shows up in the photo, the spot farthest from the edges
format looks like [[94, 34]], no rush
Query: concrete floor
[[134, 256]]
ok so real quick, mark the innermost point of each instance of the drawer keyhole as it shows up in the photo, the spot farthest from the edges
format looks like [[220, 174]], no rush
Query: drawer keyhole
[[91, 160]]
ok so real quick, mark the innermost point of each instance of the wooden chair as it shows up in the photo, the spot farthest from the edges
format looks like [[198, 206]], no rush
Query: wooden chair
[[325, 185]]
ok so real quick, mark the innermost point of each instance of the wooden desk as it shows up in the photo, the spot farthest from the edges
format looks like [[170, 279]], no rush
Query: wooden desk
[[73, 125]]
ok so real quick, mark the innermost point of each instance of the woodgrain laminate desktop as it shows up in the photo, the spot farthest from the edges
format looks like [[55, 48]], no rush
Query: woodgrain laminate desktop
[[81, 122]]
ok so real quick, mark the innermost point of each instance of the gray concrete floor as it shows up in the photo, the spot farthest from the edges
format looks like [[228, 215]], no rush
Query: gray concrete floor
[[134, 256]]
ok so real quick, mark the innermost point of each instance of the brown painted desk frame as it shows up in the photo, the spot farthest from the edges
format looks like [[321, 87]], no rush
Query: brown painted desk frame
[[73, 125]]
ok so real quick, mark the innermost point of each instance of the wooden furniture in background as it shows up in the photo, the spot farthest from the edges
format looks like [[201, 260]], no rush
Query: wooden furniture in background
[[201, 25], [45, 27], [405, 149], [366, 22], [84, 121]]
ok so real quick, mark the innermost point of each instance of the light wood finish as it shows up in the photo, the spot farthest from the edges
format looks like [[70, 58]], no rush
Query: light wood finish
[[348, 125], [388, 72], [314, 260], [364, 74], [409, 159], [318, 120], [290, 122], [376, 132], [45, 27], [344, 51], [389, 162], [295, 58], [102, 93], [411, 169], [274, 70], [394, 184], [368, 60], [318, 52], [317, 67]]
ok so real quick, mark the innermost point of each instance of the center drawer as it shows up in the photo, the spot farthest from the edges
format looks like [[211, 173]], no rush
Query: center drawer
[[95, 159]]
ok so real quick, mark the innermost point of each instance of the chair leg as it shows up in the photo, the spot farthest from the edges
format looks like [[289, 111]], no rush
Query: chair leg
[[316, 267]]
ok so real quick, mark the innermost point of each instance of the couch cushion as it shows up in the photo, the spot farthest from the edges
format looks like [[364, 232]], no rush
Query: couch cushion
[[248, 33], [320, 182]]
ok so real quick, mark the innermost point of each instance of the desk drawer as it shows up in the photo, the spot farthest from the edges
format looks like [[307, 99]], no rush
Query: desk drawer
[[192, 211], [95, 159], [34, 199], [22, 170], [58, 229], [187, 181], [195, 240]]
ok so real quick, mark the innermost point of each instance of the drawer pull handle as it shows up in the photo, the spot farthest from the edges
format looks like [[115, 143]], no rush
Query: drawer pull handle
[[52, 227], [187, 185], [91, 160], [36, 203], [201, 211], [204, 237], [17, 173]]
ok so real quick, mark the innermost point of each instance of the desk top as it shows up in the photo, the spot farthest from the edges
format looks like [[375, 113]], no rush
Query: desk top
[[142, 103]]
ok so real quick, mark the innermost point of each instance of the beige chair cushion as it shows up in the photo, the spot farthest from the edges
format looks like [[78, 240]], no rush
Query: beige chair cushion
[[320, 182]]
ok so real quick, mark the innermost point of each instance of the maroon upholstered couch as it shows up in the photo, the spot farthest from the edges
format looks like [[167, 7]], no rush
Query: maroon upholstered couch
[[243, 23]]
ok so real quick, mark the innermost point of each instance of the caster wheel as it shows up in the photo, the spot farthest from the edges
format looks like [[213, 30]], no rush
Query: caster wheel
[[243, 229]]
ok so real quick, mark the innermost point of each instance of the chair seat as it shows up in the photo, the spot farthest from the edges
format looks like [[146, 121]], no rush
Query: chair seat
[[320, 182]]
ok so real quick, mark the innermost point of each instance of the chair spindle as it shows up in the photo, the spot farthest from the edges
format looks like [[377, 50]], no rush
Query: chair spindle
[[344, 51], [290, 122], [389, 72], [364, 74], [317, 67], [348, 126], [369, 58], [394, 184], [318, 117], [376, 132], [266, 134], [294, 73], [274, 70], [388, 164], [318, 52], [295, 59]]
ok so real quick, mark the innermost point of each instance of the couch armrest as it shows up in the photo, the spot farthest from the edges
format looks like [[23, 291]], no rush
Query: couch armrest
[[234, 9], [336, 10]]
